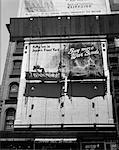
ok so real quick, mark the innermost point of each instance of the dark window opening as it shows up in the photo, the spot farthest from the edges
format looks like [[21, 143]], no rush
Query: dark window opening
[[16, 67], [13, 91], [113, 60], [10, 117], [116, 84], [19, 47], [118, 113], [110, 40], [117, 99]]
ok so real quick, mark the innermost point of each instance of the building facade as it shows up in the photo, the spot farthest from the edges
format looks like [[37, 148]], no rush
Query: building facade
[[60, 85]]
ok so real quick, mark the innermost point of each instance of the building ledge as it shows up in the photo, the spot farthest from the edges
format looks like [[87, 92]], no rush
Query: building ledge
[[14, 76], [17, 54], [11, 101]]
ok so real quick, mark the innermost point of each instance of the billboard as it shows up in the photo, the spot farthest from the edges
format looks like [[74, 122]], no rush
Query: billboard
[[65, 101], [81, 59], [63, 7]]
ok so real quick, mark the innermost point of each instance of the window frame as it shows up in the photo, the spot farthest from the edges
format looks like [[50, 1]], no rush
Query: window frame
[[13, 94], [16, 68], [9, 119], [19, 48]]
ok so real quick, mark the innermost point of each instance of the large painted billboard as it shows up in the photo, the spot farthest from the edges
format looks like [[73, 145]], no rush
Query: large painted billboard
[[49, 96], [63, 7], [81, 59]]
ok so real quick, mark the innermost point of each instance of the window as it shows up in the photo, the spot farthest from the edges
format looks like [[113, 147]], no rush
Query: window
[[110, 40], [16, 67], [19, 47], [113, 60], [116, 84], [13, 90], [10, 117], [118, 113]]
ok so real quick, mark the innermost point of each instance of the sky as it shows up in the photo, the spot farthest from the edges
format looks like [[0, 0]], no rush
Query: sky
[[9, 9]]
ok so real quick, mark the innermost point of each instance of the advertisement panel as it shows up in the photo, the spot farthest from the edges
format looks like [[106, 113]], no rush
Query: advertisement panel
[[67, 101], [64, 7], [81, 59]]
